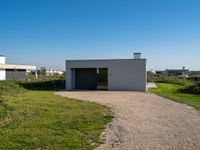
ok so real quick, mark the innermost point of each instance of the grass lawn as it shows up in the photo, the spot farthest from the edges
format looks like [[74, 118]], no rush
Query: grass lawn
[[170, 91], [42, 120]]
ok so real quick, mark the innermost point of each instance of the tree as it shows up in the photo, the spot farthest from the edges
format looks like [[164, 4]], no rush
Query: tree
[[43, 70]]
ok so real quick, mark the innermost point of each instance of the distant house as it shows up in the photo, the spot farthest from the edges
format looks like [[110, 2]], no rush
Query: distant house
[[49, 72], [177, 72], [54, 72], [13, 71], [174, 72]]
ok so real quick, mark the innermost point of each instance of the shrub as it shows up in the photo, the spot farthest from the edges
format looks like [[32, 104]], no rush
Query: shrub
[[175, 80], [194, 78], [150, 76], [165, 79], [191, 89]]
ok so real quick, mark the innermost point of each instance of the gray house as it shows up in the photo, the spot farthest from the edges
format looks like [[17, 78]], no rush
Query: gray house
[[110, 74], [177, 72]]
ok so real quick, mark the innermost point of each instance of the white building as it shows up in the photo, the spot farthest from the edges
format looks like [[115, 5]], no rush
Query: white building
[[54, 72], [13, 71], [110, 74]]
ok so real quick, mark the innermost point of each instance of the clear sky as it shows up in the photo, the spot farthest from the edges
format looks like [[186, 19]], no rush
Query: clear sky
[[47, 32]]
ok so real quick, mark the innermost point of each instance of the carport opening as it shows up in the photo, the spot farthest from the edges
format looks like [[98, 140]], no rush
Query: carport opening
[[91, 78]]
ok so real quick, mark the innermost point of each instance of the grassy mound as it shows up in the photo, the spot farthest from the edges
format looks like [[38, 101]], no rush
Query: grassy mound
[[7, 88], [10, 87], [32, 117]]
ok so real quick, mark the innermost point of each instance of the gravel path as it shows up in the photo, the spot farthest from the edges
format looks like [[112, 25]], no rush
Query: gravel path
[[144, 121]]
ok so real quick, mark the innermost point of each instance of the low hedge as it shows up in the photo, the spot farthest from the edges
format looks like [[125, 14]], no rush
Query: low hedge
[[54, 84]]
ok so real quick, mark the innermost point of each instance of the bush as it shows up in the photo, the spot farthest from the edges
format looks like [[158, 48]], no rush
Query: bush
[[175, 80], [44, 84], [165, 79], [191, 89], [194, 78], [150, 76]]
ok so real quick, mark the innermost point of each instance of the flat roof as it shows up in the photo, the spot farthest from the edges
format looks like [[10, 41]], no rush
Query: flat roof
[[13, 66], [177, 69], [102, 59]]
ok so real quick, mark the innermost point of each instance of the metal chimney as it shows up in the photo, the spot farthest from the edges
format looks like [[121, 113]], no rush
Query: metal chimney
[[136, 55]]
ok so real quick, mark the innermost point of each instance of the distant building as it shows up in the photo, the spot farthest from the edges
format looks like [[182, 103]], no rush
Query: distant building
[[13, 71], [49, 72], [177, 72], [174, 72], [54, 72]]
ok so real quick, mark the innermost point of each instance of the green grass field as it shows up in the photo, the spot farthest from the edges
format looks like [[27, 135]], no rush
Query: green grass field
[[34, 119], [170, 91]]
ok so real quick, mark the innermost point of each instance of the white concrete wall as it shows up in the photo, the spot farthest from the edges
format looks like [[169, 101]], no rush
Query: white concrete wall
[[123, 74], [2, 74], [2, 71], [2, 59]]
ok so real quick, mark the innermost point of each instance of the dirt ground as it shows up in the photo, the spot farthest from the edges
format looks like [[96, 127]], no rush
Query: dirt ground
[[145, 121]]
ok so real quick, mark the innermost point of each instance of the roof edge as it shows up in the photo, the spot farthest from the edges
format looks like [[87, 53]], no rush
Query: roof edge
[[103, 59]]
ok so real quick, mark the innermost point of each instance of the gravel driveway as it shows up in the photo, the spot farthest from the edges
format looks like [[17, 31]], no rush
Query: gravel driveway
[[144, 121]]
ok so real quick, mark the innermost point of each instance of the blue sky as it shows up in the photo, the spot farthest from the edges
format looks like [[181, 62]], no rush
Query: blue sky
[[47, 32]]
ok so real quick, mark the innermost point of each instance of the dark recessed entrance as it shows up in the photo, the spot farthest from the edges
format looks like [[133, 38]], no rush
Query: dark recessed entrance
[[102, 77], [91, 78], [85, 78]]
